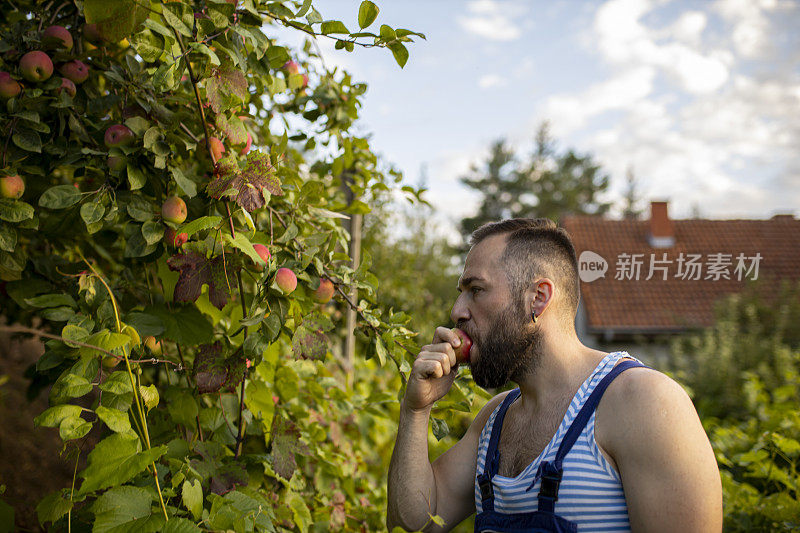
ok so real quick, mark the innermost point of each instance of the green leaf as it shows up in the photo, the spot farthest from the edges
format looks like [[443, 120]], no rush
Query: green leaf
[[69, 385], [28, 140], [180, 525], [333, 26], [136, 178], [140, 209], [73, 428], [116, 460], [179, 16], [400, 53], [116, 421], [71, 332], [387, 33], [51, 300], [183, 182], [243, 243], [148, 45], [15, 210], [8, 238], [125, 509], [92, 212], [192, 496], [200, 224], [300, 511], [115, 20], [367, 13], [53, 416], [152, 232], [60, 197], [149, 395], [440, 428], [52, 507], [117, 383]]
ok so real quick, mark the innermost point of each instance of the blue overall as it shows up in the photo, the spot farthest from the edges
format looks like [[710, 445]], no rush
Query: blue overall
[[550, 472]]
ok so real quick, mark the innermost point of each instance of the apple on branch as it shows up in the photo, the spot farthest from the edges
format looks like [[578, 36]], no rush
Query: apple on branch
[[9, 87], [36, 66], [263, 253], [77, 71], [11, 187], [324, 292], [173, 238], [57, 37], [118, 135], [286, 280], [174, 210], [67, 85]]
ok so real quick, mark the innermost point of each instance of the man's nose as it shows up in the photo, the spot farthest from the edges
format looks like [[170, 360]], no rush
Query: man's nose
[[460, 311]]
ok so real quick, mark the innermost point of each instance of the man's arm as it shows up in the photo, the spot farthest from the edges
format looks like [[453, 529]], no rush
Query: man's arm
[[648, 425], [444, 488]]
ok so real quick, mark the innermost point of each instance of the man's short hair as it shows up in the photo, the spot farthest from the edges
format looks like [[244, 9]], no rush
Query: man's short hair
[[536, 247]]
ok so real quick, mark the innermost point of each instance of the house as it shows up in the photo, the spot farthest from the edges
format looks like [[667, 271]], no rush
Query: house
[[643, 281]]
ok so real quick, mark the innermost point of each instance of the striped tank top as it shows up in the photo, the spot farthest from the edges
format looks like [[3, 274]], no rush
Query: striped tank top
[[591, 490]]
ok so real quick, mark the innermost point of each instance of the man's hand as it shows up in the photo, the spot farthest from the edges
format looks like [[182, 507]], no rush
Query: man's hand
[[434, 371]]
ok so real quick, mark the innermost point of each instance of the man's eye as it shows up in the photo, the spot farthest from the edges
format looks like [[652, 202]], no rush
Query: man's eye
[[475, 290]]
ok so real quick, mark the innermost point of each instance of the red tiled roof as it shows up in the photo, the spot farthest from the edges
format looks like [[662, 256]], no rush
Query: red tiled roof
[[665, 305]]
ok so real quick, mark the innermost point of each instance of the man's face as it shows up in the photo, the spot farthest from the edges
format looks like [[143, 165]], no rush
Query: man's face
[[506, 344]]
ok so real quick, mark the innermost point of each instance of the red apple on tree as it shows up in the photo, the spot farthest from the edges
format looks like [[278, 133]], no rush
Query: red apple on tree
[[286, 280], [9, 87], [57, 37], [247, 146], [263, 253], [174, 210], [462, 352], [324, 292], [77, 71], [291, 67], [118, 135], [173, 238], [11, 187], [67, 85], [36, 66]]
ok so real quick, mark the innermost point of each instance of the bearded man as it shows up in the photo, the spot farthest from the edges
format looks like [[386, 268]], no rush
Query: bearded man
[[588, 441]]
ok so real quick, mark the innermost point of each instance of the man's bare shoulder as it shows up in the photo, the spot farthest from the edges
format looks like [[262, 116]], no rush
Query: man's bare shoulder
[[641, 398]]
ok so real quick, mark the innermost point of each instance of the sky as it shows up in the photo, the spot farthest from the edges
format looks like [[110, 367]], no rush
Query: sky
[[701, 99]]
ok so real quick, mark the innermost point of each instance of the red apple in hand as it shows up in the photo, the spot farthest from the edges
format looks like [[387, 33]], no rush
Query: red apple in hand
[[11, 187], [286, 280], [36, 66], [174, 210], [263, 253], [462, 352]]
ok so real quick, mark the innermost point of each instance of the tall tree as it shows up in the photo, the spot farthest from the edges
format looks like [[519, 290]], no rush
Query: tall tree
[[549, 184], [631, 210]]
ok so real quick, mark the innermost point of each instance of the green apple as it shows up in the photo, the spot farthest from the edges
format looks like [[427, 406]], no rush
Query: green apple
[[286, 280], [11, 187], [324, 292]]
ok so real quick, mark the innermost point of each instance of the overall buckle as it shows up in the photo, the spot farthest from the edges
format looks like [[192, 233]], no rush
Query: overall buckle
[[485, 484], [550, 482]]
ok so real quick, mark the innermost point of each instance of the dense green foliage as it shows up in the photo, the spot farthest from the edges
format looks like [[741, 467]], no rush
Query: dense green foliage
[[744, 376], [239, 419]]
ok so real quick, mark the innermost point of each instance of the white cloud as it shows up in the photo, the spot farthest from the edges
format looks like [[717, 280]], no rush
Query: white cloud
[[751, 26], [491, 20], [492, 81]]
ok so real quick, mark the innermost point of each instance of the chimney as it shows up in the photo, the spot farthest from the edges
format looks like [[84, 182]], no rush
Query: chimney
[[662, 234]]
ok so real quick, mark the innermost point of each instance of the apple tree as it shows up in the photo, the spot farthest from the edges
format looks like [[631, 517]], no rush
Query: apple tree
[[174, 182]]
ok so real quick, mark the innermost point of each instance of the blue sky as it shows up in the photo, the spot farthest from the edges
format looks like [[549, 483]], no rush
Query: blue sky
[[701, 99]]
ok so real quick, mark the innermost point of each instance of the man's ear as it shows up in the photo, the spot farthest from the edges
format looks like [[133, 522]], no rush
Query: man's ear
[[539, 296]]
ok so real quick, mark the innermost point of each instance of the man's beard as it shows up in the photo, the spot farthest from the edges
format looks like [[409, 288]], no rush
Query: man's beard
[[509, 351]]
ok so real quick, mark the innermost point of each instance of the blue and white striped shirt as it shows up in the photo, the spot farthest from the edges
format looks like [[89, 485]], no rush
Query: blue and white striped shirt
[[591, 490]]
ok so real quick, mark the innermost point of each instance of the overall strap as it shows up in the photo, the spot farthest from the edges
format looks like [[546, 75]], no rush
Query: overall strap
[[551, 471], [492, 461]]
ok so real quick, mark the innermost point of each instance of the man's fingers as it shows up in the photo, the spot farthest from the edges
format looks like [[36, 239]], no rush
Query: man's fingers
[[442, 347], [443, 334], [429, 368], [442, 359]]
